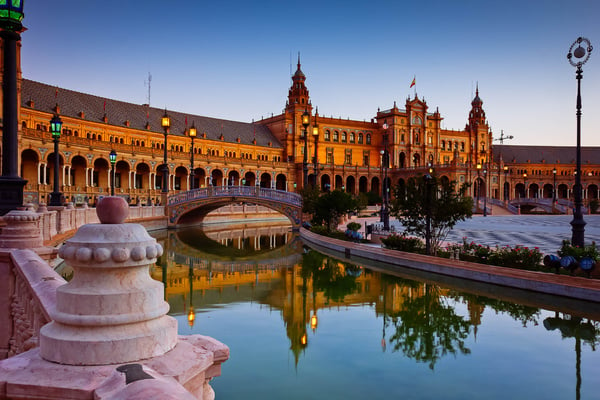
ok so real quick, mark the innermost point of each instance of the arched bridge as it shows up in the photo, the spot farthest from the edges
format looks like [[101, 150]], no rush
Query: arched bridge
[[204, 200]]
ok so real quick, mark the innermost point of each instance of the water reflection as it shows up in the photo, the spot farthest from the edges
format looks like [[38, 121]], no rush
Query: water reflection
[[421, 321]]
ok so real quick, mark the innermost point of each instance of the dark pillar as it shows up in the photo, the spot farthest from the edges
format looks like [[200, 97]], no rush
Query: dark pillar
[[11, 184]]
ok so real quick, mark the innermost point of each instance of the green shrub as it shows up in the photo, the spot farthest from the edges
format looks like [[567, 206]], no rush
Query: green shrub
[[567, 249], [403, 243], [354, 226], [513, 257]]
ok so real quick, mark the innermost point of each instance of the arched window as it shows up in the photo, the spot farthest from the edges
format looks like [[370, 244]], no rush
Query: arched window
[[360, 138], [368, 138], [336, 136], [352, 138], [443, 145], [344, 137], [327, 135]]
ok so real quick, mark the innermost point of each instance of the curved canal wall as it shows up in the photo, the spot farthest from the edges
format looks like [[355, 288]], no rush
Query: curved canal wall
[[548, 283]]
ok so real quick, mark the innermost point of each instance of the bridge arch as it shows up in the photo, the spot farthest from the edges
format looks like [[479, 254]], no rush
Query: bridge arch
[[204, 200]]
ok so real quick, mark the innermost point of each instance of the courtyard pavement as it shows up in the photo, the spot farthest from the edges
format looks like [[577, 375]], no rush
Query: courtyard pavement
[[543, 231]]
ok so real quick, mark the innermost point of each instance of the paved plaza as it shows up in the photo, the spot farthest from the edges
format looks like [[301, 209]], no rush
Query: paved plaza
[[543, 231]]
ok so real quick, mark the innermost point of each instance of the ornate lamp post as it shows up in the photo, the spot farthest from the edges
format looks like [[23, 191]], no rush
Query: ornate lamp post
[[305, 123], [428, 181], [11, 184], [554, 187], [582, 55], [385, 215], [524, 185], [485, 186], [56, 128], [506, 192], [113, 159], [193, 132], [478, 184], [315, 133], [165, 122]]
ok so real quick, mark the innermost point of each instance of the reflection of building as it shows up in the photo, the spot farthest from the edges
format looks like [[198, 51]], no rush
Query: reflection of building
[[268, 152], [280, 280]]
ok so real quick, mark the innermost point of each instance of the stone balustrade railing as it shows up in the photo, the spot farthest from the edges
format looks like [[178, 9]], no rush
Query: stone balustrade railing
[[29, 295], [60, 220]]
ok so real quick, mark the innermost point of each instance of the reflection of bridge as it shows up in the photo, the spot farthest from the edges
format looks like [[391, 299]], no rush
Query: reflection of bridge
[[199, 202]]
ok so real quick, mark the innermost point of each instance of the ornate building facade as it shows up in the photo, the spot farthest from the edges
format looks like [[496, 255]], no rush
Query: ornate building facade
[[277, 152]]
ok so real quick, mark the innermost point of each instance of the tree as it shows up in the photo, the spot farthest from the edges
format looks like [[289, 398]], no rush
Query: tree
[[428, 200], [330, 206], [310, 195]]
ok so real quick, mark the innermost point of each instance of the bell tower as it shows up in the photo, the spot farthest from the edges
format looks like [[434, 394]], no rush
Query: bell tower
[[479, 132], [298, 98]]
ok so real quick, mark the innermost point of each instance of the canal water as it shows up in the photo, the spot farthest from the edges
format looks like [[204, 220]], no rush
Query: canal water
[[304, 325]]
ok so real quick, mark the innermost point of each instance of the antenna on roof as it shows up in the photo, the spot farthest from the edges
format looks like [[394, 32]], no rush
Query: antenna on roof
[[149, 84]]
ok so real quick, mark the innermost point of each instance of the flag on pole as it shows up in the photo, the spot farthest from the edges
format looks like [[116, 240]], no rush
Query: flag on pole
[[414, 82]]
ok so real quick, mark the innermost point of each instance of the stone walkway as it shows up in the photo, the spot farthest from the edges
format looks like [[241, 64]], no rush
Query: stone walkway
[[543, 231]]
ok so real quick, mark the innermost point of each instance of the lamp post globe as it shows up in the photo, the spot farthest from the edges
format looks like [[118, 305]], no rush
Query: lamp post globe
[[11, 15], [578, 56], [113, 159], [55, 129], [165, 122]]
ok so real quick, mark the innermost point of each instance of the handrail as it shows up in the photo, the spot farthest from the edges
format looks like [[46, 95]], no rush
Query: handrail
[[281, 196]]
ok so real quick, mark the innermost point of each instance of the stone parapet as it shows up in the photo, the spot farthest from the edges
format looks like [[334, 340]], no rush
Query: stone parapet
[[28, 298]]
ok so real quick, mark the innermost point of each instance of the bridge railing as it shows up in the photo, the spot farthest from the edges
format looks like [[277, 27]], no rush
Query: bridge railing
[[229, 191]]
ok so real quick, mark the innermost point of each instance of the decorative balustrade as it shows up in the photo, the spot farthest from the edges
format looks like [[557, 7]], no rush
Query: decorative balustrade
[[232, 191], [31, 292]]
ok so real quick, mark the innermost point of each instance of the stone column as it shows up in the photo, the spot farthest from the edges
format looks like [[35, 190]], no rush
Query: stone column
[[112, 311]]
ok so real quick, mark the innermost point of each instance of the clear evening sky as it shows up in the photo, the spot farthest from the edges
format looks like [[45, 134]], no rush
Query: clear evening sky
[[231, 59]]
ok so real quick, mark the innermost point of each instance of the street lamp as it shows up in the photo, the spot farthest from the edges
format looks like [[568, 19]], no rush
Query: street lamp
[[478, 184], [385, 160], [524, 185], [305, 123], [485, 186], [505, 181], [316, 136], [113, 159], [193, 132], [428, 181], [165, 122], [11, 183], [582, 55], [56, 128], [554, 187]]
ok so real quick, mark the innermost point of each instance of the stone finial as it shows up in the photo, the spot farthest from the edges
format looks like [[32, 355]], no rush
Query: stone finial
[[112, 311], [112, 210]]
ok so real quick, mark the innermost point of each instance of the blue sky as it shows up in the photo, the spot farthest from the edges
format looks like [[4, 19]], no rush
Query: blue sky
[[232, 59]]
